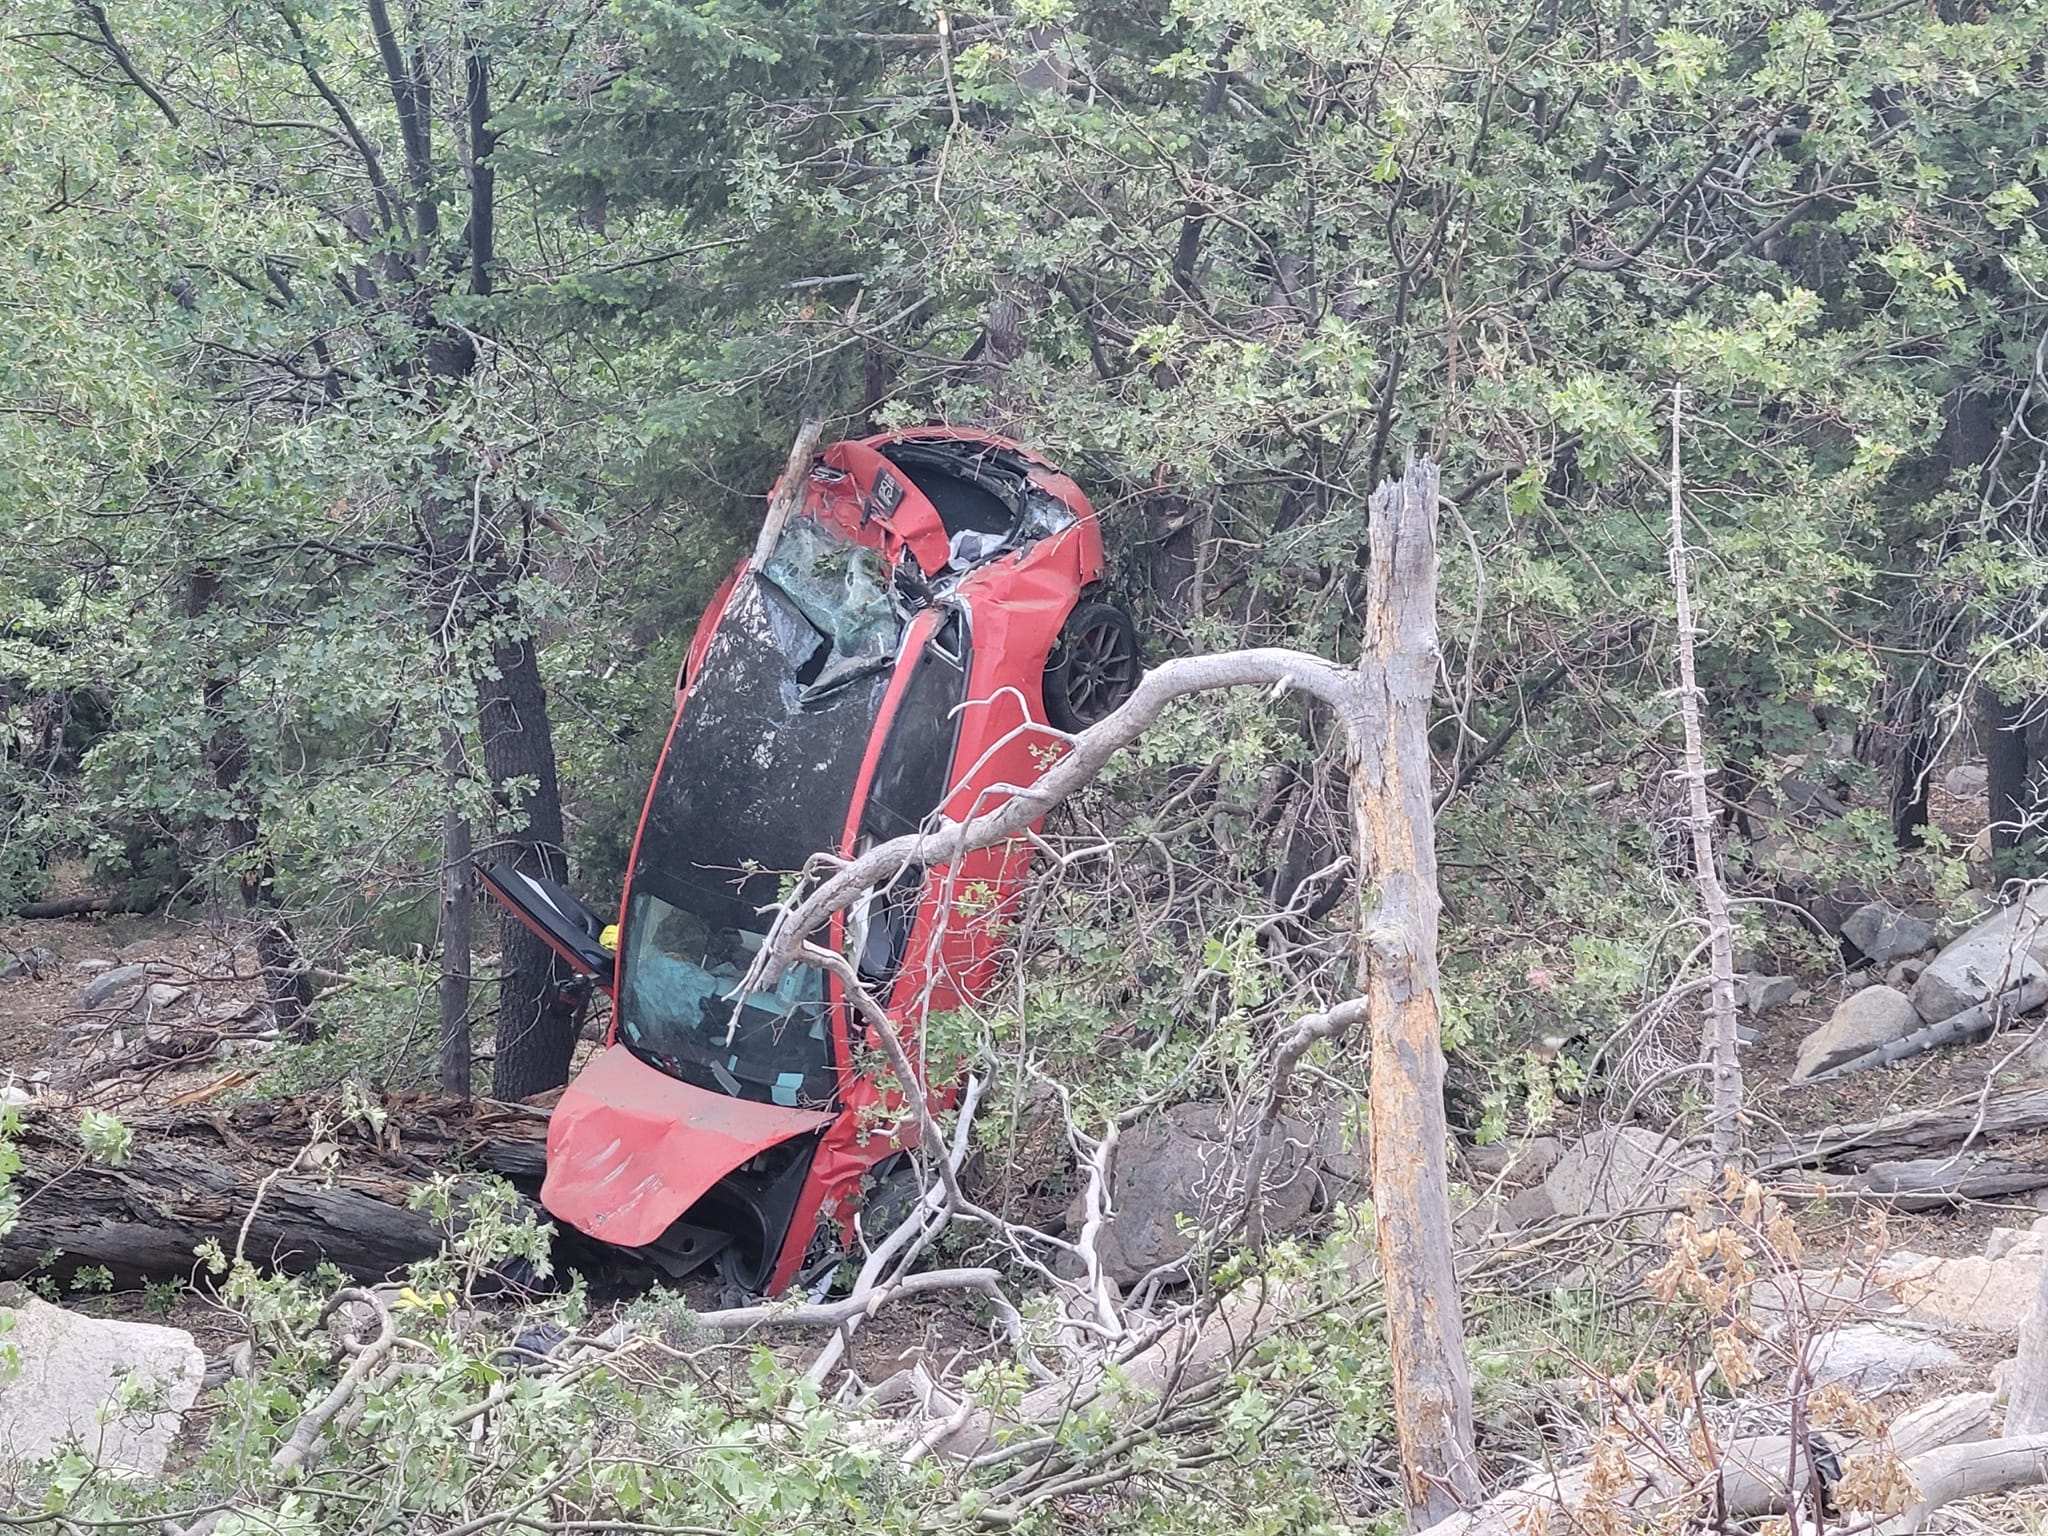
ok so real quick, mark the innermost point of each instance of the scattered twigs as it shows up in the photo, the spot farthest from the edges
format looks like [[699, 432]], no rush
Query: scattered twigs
[[910, 1238], [833, 1313]]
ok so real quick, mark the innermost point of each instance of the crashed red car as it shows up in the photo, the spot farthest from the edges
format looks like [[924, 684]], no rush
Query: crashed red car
[[927, 623]]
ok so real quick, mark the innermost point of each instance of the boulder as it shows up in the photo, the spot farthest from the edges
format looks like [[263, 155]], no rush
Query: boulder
[[121, 1389], [158, 997], [1182, 1171], [1991, 1291], [1967, 781], [1871, 1359], [1884, 935], [1760, 994], [1874, 1017], [2000, 953], [1620, 1167], [108, 985], [32, 964]]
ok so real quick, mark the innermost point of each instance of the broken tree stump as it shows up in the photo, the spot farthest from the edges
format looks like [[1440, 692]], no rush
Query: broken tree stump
[[333, 1193]]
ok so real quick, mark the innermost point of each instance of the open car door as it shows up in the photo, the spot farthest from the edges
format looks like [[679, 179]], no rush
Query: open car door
[[566, 925]]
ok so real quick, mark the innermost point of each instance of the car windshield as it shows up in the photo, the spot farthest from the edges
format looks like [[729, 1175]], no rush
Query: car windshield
[[684, 959]]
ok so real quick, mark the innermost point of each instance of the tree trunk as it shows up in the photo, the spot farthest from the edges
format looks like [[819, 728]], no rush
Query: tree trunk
[[1725, 1114], [1390, 804], [536, 1026], [285, 980], [2005, 768], [2026, 1406], [458, 924]]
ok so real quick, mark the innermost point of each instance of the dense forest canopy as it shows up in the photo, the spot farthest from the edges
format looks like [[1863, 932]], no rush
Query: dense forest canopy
[[385, 386]]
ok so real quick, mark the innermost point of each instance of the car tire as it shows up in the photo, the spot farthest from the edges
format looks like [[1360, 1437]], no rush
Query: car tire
[[1093, 667]]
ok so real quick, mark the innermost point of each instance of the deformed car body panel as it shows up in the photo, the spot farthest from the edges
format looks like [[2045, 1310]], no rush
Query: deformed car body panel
[[630, 1150], [922, 566]]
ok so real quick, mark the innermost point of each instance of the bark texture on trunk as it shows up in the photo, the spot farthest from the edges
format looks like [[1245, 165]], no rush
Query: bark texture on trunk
[[340, 1198], [2026, 1407], [1391, 809], [1726, 1102], [536, 1028], [285, 980]]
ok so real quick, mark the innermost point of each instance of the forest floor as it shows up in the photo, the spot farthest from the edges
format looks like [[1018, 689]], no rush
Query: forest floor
[[44, 1032]]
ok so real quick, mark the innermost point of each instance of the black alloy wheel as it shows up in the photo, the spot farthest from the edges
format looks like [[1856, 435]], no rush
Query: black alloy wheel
[[1093, 667]]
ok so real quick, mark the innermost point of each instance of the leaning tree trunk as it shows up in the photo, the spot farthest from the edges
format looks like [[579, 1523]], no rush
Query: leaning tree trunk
[[536, 1027], [1395, 829]]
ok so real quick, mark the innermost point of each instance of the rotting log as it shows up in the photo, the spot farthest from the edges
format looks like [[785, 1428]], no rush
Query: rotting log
[[311, 1190], [1394, 827], [1917, 1133]]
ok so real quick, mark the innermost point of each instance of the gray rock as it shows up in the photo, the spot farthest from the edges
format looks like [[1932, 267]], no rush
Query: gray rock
[[1873, 1017], [31, 964], [1182, 1171], [158, 997], [1900, 978], [73, 1367], [2002, 952], [1760, 994], [1967, 781], [1515, 1163], [1884, 934], [1622, 1166], [104, 987], [1871, 1359]]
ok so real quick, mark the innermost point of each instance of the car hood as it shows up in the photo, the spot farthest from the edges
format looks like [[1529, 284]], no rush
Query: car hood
[[630, 1149]]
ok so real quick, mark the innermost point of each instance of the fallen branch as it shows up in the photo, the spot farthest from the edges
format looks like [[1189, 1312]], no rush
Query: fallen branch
[[293, 1454], [1936, 1128], [1966, 1471], [947, 841], [831, 1314], [2024, 998], [1307, 1030]]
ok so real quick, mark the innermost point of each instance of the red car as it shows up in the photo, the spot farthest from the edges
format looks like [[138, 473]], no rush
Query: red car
[[927, 612]]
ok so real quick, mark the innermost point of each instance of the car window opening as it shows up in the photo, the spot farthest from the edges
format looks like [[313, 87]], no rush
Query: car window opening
[[840, 592], [984, 498], [680, 1013]]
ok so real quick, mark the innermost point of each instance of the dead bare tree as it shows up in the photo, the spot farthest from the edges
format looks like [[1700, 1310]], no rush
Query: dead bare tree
[[1394, 829], [1382, 706], [1725, 1113]]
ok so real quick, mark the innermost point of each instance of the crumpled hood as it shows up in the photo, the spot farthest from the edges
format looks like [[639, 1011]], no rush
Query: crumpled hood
[[630, 1149]]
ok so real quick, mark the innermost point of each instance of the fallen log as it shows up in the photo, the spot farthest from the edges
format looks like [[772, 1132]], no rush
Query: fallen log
[[1933, 1183], [1971, 1022], [311, 1188], [1918, 1132]]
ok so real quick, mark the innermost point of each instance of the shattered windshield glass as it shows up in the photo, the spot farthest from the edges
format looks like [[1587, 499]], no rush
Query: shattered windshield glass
[[678, 1012], [841, 589], [758, 775]]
